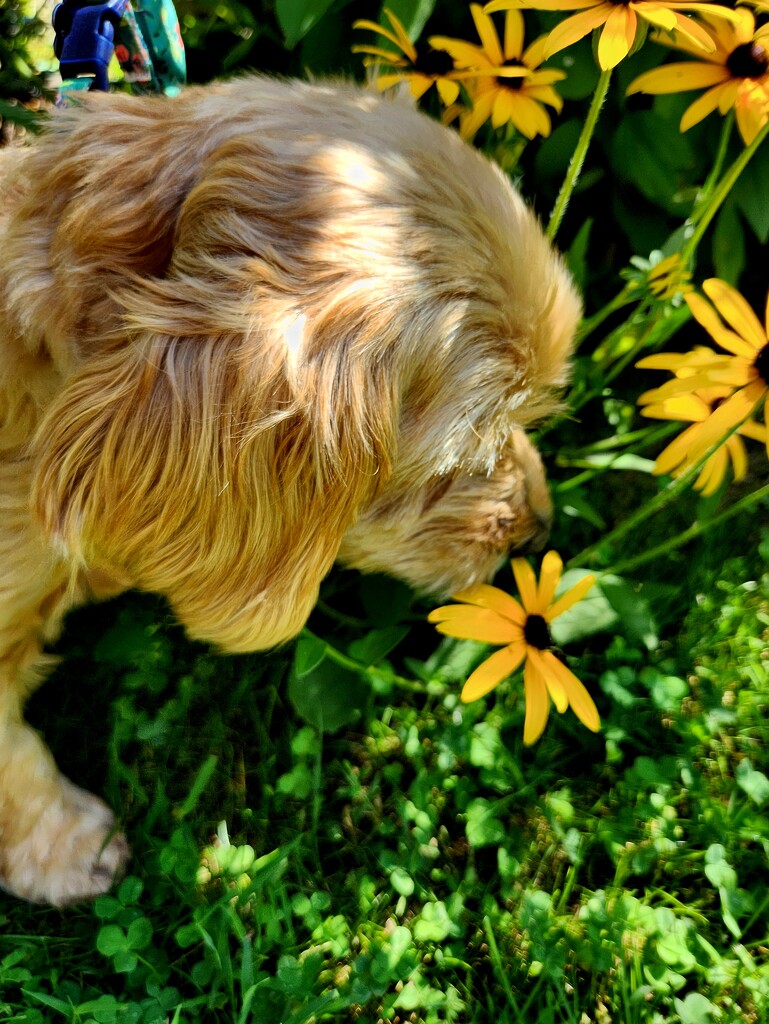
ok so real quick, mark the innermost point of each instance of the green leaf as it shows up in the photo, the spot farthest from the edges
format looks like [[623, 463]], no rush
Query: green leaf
[[632, 608], [483, 827], [111, 939], [434, 924], [309, 653], [297, 17], [749, 194], [696, 1009], [576, 257], [329, 696], [139, 934], [203, 777], [653, 154], [752, 782], [729, 244], [413, 15], [377, 644]]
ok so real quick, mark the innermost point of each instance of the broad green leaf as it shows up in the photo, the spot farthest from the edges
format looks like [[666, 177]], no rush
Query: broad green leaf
[[328, 696], [308, 654], [752, 782], [377, 644], [297, 17]]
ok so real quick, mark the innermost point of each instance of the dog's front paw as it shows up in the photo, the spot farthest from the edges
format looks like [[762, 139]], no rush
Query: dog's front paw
[[70, 852]]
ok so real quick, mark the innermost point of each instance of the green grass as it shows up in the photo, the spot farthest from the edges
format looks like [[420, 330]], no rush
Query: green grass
[[418, 864], [325, 833]]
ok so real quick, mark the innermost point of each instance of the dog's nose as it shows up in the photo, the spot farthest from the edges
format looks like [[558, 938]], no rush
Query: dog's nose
[[537, 539]]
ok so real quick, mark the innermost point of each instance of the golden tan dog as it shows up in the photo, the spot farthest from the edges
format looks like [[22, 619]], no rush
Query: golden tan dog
[[244, 333]]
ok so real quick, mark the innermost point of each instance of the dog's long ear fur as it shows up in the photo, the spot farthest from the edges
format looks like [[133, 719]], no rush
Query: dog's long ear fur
[[193, 465], [212, 442], [294, 285]]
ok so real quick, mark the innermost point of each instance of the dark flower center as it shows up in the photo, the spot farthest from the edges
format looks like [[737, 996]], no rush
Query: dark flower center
[[512, 83], [433, 63], [750, 60], [536, 633], [761, 364]]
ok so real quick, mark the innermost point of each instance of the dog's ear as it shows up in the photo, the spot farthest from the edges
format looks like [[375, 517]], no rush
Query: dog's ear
[[201, 461]]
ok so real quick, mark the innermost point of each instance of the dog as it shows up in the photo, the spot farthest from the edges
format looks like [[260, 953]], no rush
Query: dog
[[245, 333]]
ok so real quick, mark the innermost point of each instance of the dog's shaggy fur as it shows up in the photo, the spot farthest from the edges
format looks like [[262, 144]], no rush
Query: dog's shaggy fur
[[244, 333]]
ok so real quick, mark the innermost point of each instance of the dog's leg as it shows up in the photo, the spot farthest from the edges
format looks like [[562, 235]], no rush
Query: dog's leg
[[57, 842]]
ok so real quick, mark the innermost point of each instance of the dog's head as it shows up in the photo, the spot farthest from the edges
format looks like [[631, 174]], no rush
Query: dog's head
[[346, 321]]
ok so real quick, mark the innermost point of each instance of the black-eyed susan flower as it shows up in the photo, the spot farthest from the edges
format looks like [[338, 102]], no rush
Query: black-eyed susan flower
[[743, 371], [619, 22], [504, 80], [695, 408], [735, 75], [419, 68], [492, 616]]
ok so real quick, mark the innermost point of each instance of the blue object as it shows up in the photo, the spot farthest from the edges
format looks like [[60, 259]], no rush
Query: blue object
[[85, 38]]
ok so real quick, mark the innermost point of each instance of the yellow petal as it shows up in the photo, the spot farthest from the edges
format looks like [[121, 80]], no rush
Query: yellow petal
[[537, 704], [576, 27], [736, 311], [713, 473], [678, 78], [701, 107], [753, 430], [617, 37], [534, 53], [549, 576], [545, 94], [582, 704], [497, 600], [493, 671], [706, 316], [695, 33], [502, 111], [686, 408], [448, 91], [487, 34], [542, 5], [739, 456], [752, 112], [465, 54], [470, 623], [479, 115], [513, 35], [401, 34], [527, 586], [570, 597], [554, 686], [380, 30], [726, 416], [660, 18], [418, 84], [529, 117]]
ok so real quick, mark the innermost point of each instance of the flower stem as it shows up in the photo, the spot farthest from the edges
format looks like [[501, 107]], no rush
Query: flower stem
[[578, 157], [705, 213], [662, 498], [691, 533]]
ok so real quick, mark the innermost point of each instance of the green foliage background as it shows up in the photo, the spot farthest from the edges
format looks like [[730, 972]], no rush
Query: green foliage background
[[324, 833]]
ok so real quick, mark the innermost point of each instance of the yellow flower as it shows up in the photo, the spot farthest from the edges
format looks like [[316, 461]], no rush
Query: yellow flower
[[734, 74], [420, 69], [743, 373], [669, 277], [619, 21], [507, 87], [695, 408], [492, 616]]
